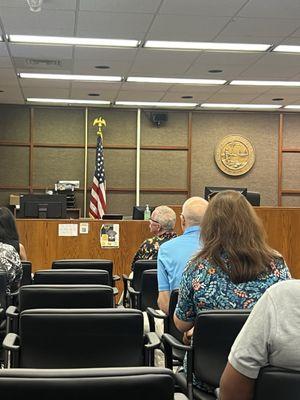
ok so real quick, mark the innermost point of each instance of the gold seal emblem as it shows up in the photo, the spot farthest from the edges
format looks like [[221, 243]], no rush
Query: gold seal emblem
[[234, 155]]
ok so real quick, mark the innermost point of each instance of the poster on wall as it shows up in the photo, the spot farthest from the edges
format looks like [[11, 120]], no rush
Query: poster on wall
[[109, 235]]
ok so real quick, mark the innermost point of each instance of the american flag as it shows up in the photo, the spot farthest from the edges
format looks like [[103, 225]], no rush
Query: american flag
[[98, 195]]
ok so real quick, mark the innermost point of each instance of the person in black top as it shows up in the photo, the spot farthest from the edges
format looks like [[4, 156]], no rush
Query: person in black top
[[9, 233]]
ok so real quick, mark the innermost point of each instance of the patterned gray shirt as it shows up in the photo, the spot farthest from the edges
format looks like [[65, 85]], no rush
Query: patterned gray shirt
[[10, 263]]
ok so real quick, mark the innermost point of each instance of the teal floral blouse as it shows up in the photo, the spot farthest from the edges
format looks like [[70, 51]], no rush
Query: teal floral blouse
[[205, 286]]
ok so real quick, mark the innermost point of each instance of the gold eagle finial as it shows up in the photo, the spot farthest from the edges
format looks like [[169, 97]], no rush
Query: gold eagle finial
[[100, 121]]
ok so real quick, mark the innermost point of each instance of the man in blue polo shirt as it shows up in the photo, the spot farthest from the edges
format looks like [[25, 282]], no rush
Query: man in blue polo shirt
[[174, 254]]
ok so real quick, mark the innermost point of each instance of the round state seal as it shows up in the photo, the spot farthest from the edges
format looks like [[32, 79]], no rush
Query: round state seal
[[234, 155]]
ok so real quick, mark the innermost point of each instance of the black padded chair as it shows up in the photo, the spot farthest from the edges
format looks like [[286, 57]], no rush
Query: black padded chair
[[80, 338], [148, 293], [136, 281], [214, 334], [59, 296], [277, 384], [144, 383], [27, 273], [102, 264], [3, 306], [169, 326]]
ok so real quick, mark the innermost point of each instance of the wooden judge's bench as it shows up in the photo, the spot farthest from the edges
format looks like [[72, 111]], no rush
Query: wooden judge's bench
[[43, 245]]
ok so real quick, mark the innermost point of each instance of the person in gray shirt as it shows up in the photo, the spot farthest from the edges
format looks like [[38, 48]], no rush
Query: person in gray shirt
[[269, 337]]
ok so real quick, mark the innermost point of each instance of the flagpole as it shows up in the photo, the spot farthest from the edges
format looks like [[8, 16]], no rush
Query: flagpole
[[85, 161], [138, 156]]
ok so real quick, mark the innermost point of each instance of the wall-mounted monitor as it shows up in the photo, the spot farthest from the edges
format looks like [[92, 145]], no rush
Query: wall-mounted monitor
[[210, 191], [43, 206], [138, 212]]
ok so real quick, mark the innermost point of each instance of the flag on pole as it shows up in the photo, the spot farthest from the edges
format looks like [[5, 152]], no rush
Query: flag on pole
[[98, 193]]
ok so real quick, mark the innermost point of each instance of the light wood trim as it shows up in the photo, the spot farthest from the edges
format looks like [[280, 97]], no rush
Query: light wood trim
[[290, 191], [16, 144], [189, 155], [291, 150], [280, 142], [31, 138]]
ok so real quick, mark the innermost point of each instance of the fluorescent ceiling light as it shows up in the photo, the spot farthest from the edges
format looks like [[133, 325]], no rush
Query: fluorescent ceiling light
[[292, 107], [154, 104], [57, 40], [157, 44], [66, 101], [265, 83], [69, 77], [241, 106], [176, 80], [287, 49]]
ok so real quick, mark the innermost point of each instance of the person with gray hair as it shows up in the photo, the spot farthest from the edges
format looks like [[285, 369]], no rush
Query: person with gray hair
[[174, 255], [161, 225]]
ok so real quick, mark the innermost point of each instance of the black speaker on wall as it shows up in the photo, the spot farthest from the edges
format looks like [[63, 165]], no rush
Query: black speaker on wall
[[158, 118]]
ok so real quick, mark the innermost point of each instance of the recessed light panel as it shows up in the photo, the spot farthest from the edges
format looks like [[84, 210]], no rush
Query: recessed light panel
[[69, 77]]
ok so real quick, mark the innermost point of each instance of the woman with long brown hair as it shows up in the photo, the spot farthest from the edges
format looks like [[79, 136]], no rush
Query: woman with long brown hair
[[235, 265]]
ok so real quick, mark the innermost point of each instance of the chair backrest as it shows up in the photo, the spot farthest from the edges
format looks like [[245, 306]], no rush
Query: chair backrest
[[138, 268], [149, 289], [145, 383], [169, 326], [276, 384], [71, 276], [27, 270], [65, 296], [102, 264], [253, 198], [80, 338], [214, 334]]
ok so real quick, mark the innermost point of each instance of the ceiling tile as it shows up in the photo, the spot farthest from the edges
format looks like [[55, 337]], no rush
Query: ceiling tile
[[132, 6]]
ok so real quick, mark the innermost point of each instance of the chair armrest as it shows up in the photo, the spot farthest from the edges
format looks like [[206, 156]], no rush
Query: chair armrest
[[13, 298], [116, 278], [180, 396], [169, 343], [175, 343], [155, 313], [9, 342], [151, 313], [125, 279], [135, 297], [12, 312], [153, 341]]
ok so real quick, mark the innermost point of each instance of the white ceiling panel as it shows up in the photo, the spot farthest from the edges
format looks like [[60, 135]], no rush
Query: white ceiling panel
[[193, 90], [271, 9], [259, 27], [231, 98], [41, 51], [57, 93], [158, 63], [5, 62], [47, 4], [132, 6], [46, 22], [113, 25], [3, 50], [96, 87], [88, 67], [44, 84], [104, 94], [210, 8], [142, 95], [105, 55], [8, 76], [186, 27], [137, 87]]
